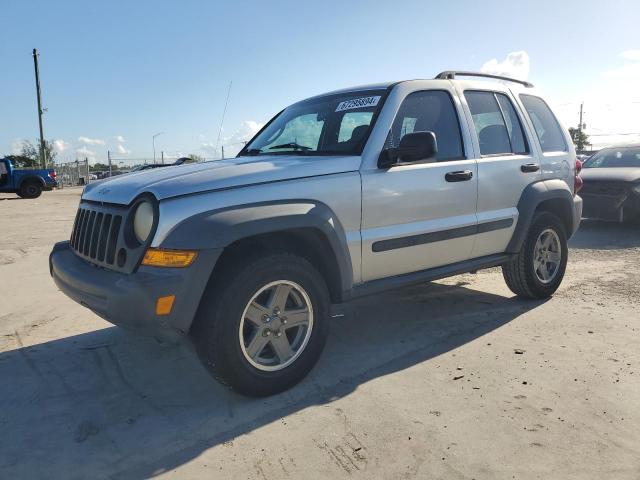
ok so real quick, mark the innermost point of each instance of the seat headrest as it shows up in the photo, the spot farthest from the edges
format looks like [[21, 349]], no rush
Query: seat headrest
[[494, 139], [358, 133]]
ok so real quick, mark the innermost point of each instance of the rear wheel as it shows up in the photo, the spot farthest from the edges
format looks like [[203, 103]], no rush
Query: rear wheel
[[30, 189], [262, 324], [538, 270]]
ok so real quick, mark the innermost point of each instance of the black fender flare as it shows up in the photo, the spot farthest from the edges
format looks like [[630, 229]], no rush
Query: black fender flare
[[532, 196], [220, 228]]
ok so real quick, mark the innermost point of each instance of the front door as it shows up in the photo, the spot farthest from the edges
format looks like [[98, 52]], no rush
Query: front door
[[422, 215]]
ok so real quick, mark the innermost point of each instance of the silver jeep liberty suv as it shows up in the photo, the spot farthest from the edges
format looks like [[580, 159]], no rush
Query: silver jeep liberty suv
[[338, 196]]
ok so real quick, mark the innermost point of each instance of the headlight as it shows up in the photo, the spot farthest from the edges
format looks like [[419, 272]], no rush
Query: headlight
[[143, 221]]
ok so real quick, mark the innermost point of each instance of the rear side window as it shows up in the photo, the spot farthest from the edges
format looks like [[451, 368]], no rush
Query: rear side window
[[497, 124], [545, 124], [429, 111]]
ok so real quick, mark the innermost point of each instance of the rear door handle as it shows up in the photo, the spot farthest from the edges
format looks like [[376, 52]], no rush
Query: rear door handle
[[459, 176], [530, 167]]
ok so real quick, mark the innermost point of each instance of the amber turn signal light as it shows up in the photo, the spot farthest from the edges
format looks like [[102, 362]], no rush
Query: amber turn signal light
[[157, 257], [164, 305]]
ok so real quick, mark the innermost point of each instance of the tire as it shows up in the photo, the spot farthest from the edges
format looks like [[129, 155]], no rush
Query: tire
[[30, 189], [524, 273], [225, 309]]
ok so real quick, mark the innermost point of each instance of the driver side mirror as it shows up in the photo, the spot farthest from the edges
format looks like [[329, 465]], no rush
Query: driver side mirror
[[416, 147]]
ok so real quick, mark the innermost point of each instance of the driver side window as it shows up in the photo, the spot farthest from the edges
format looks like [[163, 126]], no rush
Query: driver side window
[[430, 111]]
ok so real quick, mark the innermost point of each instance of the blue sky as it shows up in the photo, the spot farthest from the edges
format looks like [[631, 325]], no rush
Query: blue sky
[[114, 73]]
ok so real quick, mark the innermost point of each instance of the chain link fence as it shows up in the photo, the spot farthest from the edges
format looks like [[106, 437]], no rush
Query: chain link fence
[[72, 174], [82, 172]]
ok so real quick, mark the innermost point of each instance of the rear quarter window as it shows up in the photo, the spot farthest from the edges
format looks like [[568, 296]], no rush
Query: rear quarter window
[[545, 124]]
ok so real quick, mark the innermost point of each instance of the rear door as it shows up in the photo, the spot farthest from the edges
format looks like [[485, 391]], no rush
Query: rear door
[[421, 215], [507, 163], [556, 149]]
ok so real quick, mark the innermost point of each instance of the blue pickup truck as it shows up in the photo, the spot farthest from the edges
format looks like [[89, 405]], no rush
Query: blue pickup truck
[[27, 183]]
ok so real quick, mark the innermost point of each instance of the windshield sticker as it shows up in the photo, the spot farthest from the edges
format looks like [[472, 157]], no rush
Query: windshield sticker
[[358, 103]]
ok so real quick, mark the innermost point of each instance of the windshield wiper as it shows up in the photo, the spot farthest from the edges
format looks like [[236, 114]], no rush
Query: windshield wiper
[[295, 146], [252, 151]]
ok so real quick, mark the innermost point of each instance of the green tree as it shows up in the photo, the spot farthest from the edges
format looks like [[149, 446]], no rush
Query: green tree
[[195, 157], [32, 152], [20, 161], [103, 167], [579, 138]]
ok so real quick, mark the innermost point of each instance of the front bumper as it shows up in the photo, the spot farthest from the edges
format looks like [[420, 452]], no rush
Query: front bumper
[[129, 300], [612, 208]]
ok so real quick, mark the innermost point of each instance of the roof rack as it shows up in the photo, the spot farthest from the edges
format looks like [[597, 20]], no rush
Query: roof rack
[[451, 75]]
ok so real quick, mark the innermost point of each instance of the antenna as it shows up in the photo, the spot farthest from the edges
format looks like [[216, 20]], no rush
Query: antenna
[[224, 112]]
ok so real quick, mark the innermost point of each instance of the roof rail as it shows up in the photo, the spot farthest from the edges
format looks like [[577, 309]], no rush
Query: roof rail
[[451, 75]]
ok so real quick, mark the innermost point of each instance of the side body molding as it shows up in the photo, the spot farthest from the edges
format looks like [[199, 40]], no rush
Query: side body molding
[[532, 196], [220, 228]]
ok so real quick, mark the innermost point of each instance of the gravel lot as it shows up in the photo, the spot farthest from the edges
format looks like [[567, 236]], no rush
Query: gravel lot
[[455, 379]]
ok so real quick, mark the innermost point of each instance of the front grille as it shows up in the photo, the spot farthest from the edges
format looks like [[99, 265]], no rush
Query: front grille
[[95, 235], [612, 189], [102, 235]]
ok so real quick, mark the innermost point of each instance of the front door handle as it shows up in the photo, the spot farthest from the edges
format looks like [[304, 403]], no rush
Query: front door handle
[[530, 167], [459, 176]]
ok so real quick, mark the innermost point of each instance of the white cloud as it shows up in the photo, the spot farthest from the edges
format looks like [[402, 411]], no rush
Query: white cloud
[[122, 151], [16, 146], [611, 108], [515, 65], [232, 143], [633, 55], [209, 148], [119, 139], [85, 152], [91, 141], [59, 145]]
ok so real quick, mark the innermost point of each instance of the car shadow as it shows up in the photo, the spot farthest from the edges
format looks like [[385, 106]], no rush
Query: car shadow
[[108, 403], [600, 235]]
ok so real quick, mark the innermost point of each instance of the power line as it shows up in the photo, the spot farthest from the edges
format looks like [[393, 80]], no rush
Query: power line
[[611, 134]]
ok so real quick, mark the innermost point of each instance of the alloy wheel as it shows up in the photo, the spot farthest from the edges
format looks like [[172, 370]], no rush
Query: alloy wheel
[[276, 325], [547, 256]]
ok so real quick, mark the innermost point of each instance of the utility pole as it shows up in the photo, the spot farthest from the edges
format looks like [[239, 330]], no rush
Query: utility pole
[[223, 152], [580, 143], [43, 152], [162, 156], [109, 159], [154, 146]]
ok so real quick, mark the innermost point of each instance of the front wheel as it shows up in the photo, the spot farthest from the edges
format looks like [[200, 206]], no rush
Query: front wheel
[[262, 324], [538, 270]]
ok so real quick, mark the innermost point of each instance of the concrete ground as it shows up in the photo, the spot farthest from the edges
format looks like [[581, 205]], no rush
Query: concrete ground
[[453, 380]]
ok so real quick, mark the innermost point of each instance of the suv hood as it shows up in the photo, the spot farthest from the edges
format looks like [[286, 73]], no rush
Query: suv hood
[[180, 180], [622, 174]]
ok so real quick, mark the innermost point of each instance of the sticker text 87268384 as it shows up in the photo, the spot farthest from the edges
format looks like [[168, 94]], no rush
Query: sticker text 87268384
[[358, 103]]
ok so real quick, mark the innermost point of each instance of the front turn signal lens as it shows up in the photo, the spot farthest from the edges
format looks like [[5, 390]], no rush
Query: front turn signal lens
[[157, 257]]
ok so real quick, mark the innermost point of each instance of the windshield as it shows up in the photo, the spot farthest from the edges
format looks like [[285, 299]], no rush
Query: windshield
[[330, 125], [615, 158]]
